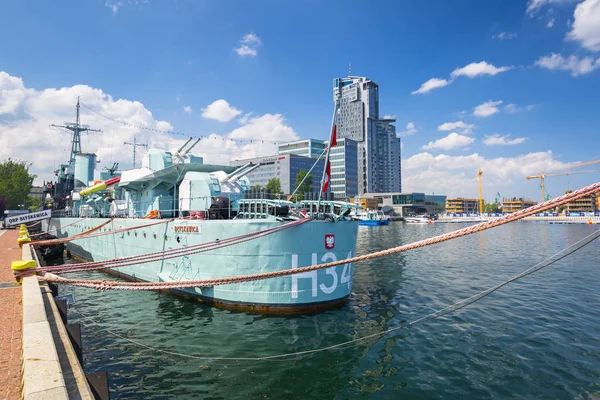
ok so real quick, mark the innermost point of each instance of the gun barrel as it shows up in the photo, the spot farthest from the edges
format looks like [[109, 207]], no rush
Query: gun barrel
[[235, 172], [192, 146], [185, 144], [245, 172]]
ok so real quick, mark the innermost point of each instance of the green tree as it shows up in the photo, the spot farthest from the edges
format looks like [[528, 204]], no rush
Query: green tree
[[274, 185], [255, 187], [303, 187], [490, 207], [15, 182], [34, 203]]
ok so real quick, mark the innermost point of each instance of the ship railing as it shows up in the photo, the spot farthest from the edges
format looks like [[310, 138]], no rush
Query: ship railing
[[338, 209], [243, 208]]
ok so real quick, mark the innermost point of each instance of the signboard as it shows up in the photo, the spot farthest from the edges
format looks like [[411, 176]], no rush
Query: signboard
[[23, 218], [16, 211]]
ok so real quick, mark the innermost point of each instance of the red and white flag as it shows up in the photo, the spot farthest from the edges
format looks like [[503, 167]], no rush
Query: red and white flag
[[334, 136], [327, 174]]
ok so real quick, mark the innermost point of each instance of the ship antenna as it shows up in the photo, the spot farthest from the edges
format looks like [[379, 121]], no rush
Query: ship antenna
[[77, 130], [136, 144]]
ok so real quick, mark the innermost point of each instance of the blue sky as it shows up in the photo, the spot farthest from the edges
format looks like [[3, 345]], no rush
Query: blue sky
[[533, 62]]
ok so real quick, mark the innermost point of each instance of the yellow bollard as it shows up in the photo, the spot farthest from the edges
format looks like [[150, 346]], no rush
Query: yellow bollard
[[23, 240], [21, 266]]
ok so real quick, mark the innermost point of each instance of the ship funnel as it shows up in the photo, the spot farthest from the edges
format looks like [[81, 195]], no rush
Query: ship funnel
[[246, 172], [232, 174]]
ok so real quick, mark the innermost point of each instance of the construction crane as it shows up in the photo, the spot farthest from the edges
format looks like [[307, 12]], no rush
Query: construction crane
[[479, 181], [583, 164], [543, 184]]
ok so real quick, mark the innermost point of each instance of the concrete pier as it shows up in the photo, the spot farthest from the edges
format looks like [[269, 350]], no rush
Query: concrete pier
[[11, 315], [38, 359]]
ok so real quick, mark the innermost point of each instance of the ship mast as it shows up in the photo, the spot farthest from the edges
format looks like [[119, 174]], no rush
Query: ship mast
[[77, 130]]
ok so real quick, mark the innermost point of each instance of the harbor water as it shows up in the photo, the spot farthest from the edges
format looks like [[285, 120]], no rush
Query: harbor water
[[538, 337]]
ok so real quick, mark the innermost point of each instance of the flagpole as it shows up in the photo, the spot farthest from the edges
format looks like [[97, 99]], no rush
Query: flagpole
[[327, 155]]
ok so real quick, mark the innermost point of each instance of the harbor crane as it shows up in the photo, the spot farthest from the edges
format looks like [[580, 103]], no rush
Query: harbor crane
[[541, 177], [480, 182]]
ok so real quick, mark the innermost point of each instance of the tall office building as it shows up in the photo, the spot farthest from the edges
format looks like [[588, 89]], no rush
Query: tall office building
[[344, 168], [304, 147], [378, 147]]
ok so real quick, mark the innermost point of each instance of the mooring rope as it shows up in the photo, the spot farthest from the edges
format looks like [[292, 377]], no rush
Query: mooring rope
[[169, 254], [89, 233], [121, 285], [354, 342], [32, 225], [56, 229]]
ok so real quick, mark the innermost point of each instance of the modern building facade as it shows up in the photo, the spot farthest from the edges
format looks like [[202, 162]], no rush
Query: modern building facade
[[285, 167], [408, 204], [305, 147], [589, 203], [378, 147], [460, 205], [344, 168], [510, 205]]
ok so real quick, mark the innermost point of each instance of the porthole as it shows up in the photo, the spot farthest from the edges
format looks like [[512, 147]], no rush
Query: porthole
[[155, 236], [178, 239]]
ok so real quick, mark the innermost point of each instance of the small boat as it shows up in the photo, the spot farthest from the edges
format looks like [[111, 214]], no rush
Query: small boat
[[419, 219], [372, 218]]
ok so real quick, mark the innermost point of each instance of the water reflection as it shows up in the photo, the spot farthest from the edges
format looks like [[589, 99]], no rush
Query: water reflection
[[536, 338]]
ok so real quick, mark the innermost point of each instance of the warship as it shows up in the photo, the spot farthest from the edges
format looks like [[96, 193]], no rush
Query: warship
[[174, 200]]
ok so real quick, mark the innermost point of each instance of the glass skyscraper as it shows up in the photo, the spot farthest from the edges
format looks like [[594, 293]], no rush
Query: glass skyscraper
[[378, 149]]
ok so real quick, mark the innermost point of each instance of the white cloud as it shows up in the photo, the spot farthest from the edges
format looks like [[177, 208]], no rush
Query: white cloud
[[550, 22], [220, 110], [248, 45], [457, 175], [575, 65], [476, 69], [431, 84], [12, 93], [26, 114], [497, 140], [514, 108], [164, 126], [451, 126], [263, 131], [486, 109], [116, 5], [586, 25], [187, 109], [505, 36], [411, 129], [533, 6], [452, 141], [471, 71]]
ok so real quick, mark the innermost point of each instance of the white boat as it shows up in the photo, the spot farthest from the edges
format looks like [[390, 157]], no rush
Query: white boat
[[418, 219]]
